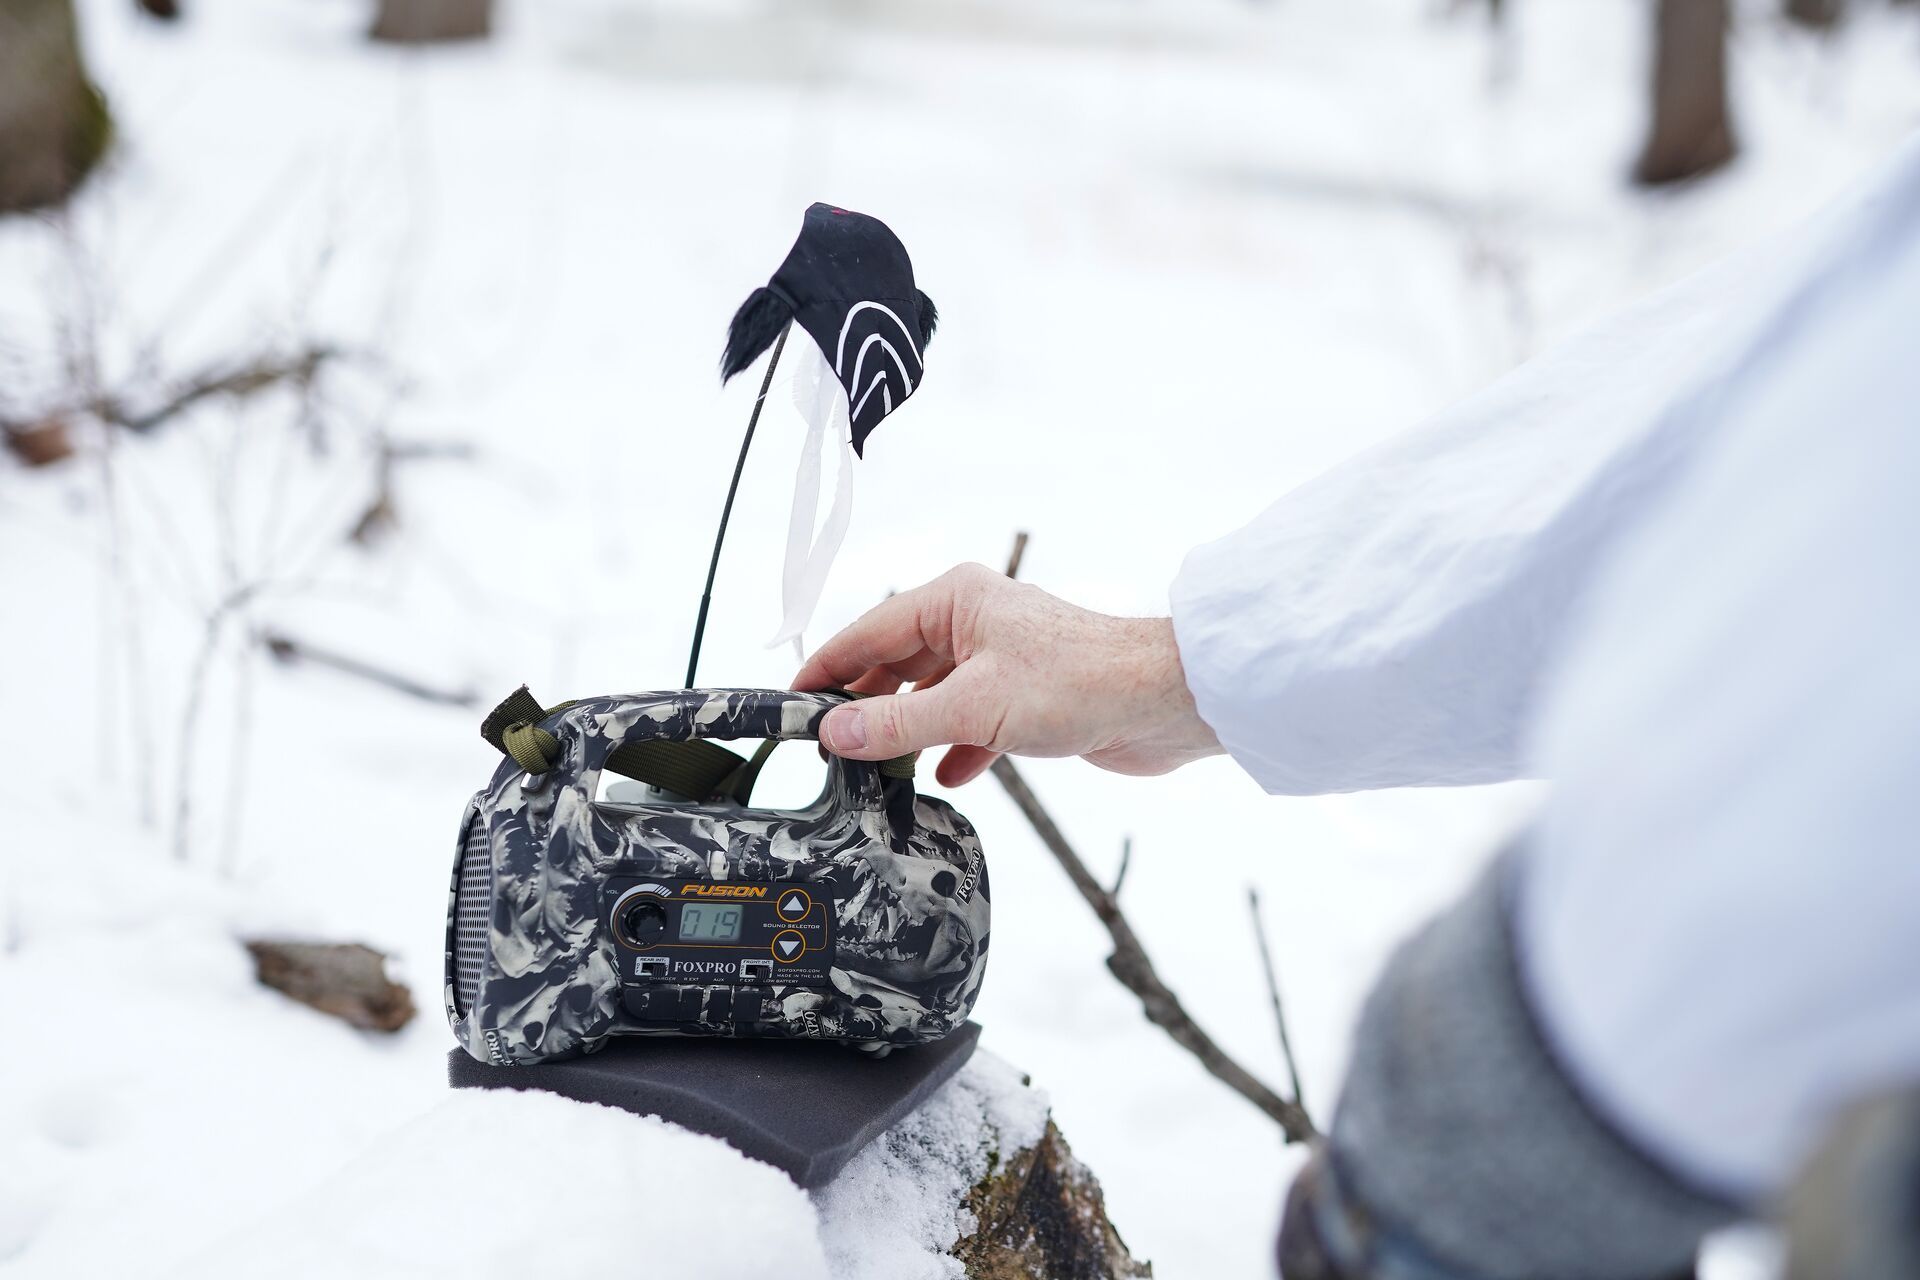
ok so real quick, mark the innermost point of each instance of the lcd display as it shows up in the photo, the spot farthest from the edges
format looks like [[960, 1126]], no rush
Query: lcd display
[[702, 923]]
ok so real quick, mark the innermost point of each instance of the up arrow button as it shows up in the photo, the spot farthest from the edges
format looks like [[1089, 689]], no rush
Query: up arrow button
[[794, 905]]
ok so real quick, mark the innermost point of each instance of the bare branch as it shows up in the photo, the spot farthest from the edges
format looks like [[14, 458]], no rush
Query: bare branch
[[248, 379], [286, 649], [382, 513], [1126, 860], [1273, 993], [1019, 550], [1129, 962]]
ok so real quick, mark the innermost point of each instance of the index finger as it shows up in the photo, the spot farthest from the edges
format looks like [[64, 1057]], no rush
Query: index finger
[[910, 625]]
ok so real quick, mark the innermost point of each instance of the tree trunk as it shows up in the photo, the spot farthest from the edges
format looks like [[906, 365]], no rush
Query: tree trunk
[[1821, 14], [427, 21], [1691, 133], [53, 123]]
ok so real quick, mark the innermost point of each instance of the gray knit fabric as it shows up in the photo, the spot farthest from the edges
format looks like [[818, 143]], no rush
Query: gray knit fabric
[[1457, 1129]]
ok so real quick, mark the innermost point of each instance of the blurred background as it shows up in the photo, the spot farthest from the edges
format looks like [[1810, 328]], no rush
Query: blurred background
[[358, 363]]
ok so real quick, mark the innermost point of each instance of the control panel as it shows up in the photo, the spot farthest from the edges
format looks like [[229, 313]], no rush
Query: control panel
[[708, 933]]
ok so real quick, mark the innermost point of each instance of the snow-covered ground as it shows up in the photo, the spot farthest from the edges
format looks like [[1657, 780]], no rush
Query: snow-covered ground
[[1186, 254]]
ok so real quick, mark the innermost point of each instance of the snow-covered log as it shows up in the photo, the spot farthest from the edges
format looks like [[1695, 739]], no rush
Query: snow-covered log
[[978, 1183]]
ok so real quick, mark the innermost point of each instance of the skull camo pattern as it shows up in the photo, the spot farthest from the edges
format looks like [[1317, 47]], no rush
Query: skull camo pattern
[[905, 873]]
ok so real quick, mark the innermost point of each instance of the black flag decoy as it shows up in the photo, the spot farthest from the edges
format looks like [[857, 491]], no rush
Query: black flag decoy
[[849, 283]]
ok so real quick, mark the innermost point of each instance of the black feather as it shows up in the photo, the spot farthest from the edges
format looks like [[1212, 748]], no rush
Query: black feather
[[755, 325], [929, 318]]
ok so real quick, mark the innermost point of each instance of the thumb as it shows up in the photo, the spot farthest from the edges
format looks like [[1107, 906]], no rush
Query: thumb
[[884, 727]]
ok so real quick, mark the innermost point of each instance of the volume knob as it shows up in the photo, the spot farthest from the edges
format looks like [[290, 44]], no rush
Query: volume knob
[[644, 923]]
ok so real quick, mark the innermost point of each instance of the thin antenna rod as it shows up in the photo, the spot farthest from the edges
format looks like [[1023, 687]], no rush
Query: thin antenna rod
[[726, 512]]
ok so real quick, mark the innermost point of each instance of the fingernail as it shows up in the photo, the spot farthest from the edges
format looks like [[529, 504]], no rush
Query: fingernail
[[845, 731]]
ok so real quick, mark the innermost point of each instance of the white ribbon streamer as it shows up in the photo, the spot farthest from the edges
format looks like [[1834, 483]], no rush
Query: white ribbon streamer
[[822, 403]]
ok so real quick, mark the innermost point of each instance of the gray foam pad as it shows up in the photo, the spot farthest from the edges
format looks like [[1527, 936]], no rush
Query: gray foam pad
[[803, 1107]]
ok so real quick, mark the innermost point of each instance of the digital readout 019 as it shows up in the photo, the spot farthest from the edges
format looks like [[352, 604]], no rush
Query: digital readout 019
[[704, 923]]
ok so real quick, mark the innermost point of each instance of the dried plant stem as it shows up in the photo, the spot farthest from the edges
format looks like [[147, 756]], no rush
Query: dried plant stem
[[233, 604]]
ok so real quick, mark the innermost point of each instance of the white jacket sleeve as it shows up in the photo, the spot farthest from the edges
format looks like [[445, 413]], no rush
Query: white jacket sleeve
[[1678, 564], [1387, 623], [1720, 921]]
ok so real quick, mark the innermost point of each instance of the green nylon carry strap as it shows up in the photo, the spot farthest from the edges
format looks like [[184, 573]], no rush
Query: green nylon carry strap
[[693, 768], [518, 707]]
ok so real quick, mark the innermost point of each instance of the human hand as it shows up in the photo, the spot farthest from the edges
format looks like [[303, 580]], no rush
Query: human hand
[[999, 666]]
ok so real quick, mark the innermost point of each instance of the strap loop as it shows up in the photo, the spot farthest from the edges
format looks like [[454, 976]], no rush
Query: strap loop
[[532, 748]]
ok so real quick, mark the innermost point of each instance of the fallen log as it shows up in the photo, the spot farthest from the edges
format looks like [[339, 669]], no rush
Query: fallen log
[[343, 979]]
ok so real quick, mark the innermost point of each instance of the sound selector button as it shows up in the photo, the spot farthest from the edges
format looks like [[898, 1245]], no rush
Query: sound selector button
[[794, 905], [787, 946]]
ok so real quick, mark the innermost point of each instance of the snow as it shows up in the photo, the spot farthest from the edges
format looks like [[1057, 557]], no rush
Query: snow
[[890, 1213], [1186, 255], [527, 1184]]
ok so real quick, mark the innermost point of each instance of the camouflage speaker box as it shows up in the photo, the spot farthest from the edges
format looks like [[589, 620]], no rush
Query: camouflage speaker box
[[680, 909]]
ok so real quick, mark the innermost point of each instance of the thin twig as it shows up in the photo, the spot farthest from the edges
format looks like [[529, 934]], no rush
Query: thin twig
[[286, 649], [234, 602], [80, 343], [1019, 552], [1273, 993], [1126, 860], [247, 380], [1129, 962], [239, 757], [382, 512]]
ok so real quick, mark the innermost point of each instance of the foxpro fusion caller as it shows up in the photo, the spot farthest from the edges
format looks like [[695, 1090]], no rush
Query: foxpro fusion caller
[[680, 909]]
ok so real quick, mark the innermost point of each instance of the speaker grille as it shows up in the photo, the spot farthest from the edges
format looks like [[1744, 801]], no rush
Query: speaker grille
[[472, 903]]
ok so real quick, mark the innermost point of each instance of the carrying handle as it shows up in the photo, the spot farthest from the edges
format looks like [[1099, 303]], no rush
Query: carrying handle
[[577, 740], [712, 714], [612, 727]]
